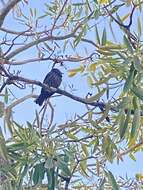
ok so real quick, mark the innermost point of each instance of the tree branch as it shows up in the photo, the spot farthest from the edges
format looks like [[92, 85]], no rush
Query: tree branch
[[47, 38], [129, 150], [13, 78], [6, 10], [55, 60]]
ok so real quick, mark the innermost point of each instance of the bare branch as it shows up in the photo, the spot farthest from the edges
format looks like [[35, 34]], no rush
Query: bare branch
[[54, 59], [47, 38], [14, 78], [58, 16], [6, 10], [129, 150]]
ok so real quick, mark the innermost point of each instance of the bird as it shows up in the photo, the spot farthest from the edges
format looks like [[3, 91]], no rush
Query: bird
[[52, 79]]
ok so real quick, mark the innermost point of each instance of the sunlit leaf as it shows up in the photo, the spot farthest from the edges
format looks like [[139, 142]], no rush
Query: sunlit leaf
[[85, 149], [103, 1], [92, 67], [71, 136], [83, 167], [139, 176], [97, 96], [125, 17], [73, 72], [132, 157]]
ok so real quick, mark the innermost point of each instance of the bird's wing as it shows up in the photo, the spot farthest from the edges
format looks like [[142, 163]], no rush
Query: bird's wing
[[48, 79], [52, 79]]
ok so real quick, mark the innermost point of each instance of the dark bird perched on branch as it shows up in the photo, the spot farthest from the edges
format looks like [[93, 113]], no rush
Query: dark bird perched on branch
[[52, 79]]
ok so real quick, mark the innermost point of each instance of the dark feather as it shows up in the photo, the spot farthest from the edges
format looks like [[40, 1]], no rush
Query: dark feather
[[52, 79]]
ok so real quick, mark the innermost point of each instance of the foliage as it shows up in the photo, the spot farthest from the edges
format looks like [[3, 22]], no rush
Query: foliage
[[74, 154]]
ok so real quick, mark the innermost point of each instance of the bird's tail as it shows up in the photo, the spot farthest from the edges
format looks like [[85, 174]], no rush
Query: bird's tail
[[40, 99]]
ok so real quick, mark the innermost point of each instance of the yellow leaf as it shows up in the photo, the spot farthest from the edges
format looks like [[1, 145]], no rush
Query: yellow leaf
[[72, 73], [103, 1], [125, 17], [107, 53], [139, 177], [132, 142], [85, 150], [82, 68], [92, 67]]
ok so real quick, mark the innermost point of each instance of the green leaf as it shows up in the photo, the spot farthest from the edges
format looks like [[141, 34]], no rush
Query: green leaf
[[95, 143], [107, 146], [112, 180], [80, 35], [138, 91], [3, 148], [22, 175], [71, 136], [6, 96], [83, 167], [121, 122], [63, 166], [38, 174], [139, 26], [85, 149], [128, 44], [104, 37], [97, 96], [129, 80], [1, 109], [135, 124], [137, 64], [49, 163], [124, 123], [132, 156], [51, 178], [97, 35]]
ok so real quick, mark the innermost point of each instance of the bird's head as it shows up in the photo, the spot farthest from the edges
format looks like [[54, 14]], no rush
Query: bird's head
[[57, 71]]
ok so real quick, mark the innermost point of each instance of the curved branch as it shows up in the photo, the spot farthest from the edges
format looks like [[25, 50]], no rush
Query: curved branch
[[55, 60], [13, 78], [49, 37], [6, 10]]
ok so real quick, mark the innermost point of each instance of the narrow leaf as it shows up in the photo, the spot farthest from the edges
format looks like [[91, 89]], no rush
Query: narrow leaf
[[104, 37], [128, 44], [97, 35], [112, 180]]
